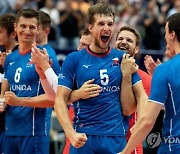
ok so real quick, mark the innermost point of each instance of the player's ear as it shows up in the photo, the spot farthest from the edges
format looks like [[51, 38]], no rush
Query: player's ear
[[47, 31], [13, 34], [173, 34], [15, 25], [90, 26], [136, 50]]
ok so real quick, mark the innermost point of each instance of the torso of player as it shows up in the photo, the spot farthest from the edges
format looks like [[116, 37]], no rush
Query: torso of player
[[21, 75], [101, 114]]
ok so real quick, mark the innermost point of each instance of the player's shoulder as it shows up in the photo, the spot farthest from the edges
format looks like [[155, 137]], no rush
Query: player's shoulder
[[77, 53], [73, 56], [50, 50], [117, 51], [13, 54]]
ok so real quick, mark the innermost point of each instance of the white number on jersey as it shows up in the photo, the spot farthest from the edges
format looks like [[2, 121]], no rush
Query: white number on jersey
[[17, 75], [104, 77]]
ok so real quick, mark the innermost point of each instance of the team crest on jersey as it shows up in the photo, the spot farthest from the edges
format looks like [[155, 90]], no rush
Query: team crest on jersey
[[29, 64], [115, 62]]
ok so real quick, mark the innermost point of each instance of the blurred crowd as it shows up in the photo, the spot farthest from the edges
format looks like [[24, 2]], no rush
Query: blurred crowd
[[69, 18]]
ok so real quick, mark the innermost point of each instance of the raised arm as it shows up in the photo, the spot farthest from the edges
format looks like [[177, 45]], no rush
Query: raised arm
[[128, 101], [49, 79]]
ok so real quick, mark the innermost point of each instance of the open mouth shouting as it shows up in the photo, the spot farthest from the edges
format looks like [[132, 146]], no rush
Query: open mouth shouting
[[105, 38]]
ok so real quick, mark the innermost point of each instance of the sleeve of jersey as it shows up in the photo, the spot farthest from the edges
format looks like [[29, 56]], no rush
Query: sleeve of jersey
[[67, 75], [159, 86], [135, 78]]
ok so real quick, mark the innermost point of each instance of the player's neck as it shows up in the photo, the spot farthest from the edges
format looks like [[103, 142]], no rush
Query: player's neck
[[176, 47], [98, 50], [24, 47], [97, 53]]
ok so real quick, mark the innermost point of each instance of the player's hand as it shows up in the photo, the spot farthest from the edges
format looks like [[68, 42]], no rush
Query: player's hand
[[40, 58], [128, 65], [88, 89], [150, 64], [2, 104], [11, 99], [78, 140]]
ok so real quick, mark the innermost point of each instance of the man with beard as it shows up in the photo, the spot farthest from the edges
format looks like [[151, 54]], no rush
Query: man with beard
[[99, 125], [128, 39], [27, 113], [107, 135], [164, 93]]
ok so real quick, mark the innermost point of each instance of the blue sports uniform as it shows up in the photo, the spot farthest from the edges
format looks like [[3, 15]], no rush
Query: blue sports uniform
[[101, 115], [165, 90], [26, 123]]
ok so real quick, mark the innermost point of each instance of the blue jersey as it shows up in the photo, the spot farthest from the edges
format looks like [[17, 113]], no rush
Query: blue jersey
[[165, 90], [99, 115], [24, 82]]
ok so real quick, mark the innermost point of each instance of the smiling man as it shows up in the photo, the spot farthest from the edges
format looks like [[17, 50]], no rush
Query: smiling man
[[128, 40], [27, 121], [165, 91]]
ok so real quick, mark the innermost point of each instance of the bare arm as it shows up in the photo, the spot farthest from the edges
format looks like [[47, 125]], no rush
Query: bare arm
[[49, 79], [43, 68], [76, 139], [87, 90], [141, 97], [4, 88], [128, 100], [143, 126], [40, 101]]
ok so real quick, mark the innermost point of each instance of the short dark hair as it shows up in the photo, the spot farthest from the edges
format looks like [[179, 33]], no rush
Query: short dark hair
[[101, 9], [174, 24], [27, 13], [133, 30], [7, 21], [44, 19]]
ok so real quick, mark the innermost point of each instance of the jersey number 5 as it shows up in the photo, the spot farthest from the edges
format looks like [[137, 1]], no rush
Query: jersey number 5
[[104, 77]]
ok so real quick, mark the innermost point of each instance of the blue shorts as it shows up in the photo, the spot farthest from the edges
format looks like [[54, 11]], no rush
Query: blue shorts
[[166, 148], [27, 145], [2, 142], [101, 144]]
